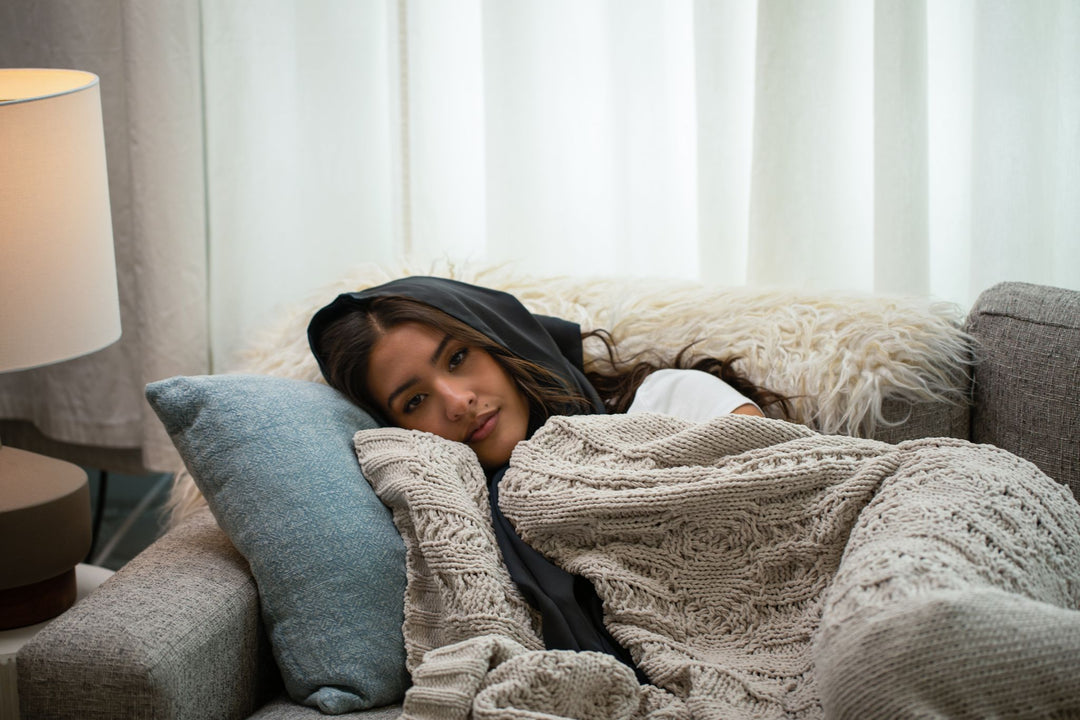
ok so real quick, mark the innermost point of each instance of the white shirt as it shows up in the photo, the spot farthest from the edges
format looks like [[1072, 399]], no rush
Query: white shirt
[[688, 394]]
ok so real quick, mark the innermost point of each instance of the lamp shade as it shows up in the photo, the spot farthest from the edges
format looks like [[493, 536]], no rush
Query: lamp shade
[[58, 295]]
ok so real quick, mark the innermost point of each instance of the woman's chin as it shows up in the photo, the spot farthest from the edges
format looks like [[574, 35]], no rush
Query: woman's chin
[[493, 455]]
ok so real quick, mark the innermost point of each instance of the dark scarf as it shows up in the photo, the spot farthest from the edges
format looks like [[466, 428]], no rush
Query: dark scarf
[[571, 610]]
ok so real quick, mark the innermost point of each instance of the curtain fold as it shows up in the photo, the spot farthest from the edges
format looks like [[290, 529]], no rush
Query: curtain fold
[[812, 175], [300, 153], [147, 56], [256, 150], [901, 224]]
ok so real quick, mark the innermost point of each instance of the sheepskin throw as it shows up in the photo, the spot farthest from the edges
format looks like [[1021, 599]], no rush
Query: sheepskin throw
[[838, 356], [754, 569], [851, 364]]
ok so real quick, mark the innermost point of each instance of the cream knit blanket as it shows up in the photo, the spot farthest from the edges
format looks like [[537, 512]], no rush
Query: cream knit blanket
[[754, 569]]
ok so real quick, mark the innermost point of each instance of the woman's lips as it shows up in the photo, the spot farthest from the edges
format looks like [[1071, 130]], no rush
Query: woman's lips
[[485, 428]]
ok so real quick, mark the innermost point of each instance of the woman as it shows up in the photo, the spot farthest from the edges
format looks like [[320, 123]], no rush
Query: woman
[[473, 365], [790, 579]]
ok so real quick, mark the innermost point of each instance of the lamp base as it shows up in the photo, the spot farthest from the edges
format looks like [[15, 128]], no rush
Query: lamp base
[[37, 602], [44, 533]]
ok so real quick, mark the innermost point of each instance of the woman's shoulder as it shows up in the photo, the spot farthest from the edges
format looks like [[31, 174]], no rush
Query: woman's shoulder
[[689, 394]]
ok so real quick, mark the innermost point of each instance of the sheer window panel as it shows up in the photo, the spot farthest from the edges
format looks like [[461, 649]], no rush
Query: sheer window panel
[[901, 199], [812, 181], [1025, 116], [725, 44], [1004, 145], [591, 149], [444, 128], [300, 149], [950, 111]]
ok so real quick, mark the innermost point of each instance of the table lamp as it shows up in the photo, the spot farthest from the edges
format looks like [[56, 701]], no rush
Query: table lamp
[[58, 300]]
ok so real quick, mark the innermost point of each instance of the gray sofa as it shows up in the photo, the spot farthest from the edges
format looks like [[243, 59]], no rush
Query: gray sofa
[[177, 632]]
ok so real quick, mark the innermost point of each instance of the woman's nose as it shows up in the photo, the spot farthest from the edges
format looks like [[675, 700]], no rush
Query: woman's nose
[[458, 398]]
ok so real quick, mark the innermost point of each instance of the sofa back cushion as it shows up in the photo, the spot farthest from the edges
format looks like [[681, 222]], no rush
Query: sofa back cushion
[[1027, 379]]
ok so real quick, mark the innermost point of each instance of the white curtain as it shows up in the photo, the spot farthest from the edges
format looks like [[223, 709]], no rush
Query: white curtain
[[147, 56], [908, 146], [890, 146]]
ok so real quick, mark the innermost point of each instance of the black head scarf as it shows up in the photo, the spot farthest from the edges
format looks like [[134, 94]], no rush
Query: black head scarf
[[552, 343]]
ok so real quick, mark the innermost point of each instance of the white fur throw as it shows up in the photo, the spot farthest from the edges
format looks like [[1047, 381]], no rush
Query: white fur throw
[[753, 568], [838, 356]]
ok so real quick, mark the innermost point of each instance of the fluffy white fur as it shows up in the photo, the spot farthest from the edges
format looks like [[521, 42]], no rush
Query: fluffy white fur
[[838, 356]]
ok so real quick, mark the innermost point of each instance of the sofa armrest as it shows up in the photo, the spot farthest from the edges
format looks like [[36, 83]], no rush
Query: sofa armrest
[[174, 634], [1027, 378]]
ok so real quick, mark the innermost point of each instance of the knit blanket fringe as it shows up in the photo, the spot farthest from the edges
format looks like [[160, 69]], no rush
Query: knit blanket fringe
[[753, 568]]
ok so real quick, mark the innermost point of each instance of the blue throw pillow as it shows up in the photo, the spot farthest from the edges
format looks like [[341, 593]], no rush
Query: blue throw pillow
[[274, 459]]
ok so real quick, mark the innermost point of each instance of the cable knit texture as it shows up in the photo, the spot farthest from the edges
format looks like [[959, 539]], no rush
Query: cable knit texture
[[755, 569]]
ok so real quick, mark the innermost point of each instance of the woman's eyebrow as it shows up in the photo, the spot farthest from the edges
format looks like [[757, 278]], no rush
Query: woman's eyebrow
[[439, 350], [400, 389], [413, 380]]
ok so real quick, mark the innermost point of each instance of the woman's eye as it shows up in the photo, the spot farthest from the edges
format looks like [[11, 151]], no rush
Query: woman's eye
[[458, 357], [412, 403]]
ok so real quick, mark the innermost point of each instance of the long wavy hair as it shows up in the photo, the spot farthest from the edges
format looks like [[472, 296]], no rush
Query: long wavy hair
[[619, 381], [347, 343]]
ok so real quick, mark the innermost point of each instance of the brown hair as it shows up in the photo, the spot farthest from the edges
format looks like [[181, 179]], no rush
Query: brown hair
[[347, 344], [618, 385]]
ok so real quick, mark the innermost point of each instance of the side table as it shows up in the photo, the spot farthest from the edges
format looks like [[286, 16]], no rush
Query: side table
[[87, 578]]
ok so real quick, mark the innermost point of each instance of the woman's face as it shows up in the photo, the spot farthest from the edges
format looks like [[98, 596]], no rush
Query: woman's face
[[425, 380]]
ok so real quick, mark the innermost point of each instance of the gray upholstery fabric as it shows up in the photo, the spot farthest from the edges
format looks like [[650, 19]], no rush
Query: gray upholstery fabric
[[282, 708], [174, 635], [1027, 381], [923, 419]]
